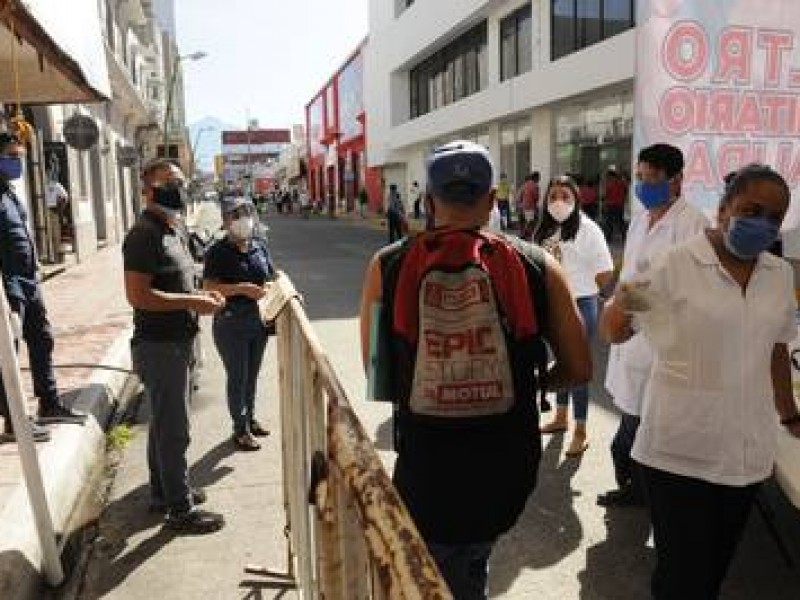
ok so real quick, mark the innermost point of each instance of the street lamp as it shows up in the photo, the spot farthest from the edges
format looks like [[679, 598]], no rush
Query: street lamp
[[171, 92]]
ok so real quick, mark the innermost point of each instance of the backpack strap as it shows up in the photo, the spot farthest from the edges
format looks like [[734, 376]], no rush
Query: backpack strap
[[536, 270]]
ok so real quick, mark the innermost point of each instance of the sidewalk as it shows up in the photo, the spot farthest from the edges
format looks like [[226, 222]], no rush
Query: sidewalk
[[90, 317]]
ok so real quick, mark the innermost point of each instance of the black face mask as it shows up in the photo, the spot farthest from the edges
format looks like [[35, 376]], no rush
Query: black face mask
[[170, 195]]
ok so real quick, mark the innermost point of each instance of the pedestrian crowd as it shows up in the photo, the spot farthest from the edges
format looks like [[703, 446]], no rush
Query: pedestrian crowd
[[469, 328], [465, 328]]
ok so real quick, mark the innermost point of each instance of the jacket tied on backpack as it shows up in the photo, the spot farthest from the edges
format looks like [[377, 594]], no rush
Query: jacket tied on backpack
[[463, 309]]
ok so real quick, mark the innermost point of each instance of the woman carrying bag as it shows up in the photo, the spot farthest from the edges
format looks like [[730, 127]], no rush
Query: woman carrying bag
[[239, 266]]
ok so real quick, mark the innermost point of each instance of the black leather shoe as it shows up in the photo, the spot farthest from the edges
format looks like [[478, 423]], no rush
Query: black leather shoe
[[195, 521], [257, 429], [624, 496]]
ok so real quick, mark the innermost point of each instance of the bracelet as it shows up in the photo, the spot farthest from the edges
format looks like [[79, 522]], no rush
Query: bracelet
[[795, 418]]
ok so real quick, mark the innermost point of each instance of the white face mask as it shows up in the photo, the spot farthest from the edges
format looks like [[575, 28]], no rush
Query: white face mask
[[242, 228], [560, 210]]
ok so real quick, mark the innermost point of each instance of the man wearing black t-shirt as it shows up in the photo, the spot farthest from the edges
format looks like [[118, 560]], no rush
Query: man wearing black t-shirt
[[160, 286]]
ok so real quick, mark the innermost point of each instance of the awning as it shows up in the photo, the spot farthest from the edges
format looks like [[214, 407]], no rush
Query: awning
[[60, 52]]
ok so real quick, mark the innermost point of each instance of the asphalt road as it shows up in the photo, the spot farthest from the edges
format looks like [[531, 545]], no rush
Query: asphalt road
[[564, 546]]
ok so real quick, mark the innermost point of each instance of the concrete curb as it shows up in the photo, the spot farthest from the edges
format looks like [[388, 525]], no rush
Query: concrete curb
[[71, 464]]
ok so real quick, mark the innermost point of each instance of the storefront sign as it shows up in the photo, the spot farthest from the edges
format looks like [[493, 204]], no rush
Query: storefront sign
[[721, 80], [81, 132]]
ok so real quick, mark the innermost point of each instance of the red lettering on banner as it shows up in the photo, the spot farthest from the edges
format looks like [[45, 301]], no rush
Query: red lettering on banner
[[685, 51], [721, 110], [676, 111], [775, 42], [732, 156], [698, 165], [794, 175], [784, 158], [749, 115], [734, 57], [773, 106]]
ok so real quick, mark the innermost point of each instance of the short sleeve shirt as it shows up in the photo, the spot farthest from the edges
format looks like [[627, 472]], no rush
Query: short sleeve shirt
[[709, 408], [155, 248], [582, 258], [226, 263]]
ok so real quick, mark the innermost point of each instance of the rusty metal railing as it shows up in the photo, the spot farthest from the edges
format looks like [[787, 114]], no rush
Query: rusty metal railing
[[349, 535]]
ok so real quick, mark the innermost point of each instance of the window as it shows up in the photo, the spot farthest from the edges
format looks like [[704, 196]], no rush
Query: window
[[456, 71], [516, 43], [576, 24], [515, 151]]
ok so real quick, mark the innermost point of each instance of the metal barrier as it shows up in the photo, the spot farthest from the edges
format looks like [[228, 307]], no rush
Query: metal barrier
[[349, 535]]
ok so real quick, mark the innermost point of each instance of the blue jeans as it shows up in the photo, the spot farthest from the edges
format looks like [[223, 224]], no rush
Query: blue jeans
[[465, 568], [241, 339], [587, 305]]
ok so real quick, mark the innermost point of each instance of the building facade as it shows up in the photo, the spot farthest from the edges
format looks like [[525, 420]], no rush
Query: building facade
[[546, 85], [250, 158], [101, 180], [339, 170]]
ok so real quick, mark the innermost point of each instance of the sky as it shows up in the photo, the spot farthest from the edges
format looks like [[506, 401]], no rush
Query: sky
[[265, 57]]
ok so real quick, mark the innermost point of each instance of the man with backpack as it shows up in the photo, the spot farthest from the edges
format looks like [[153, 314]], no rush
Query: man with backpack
[[466, 355]]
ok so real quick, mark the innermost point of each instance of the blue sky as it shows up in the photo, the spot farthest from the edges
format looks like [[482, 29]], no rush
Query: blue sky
[[266, 56]]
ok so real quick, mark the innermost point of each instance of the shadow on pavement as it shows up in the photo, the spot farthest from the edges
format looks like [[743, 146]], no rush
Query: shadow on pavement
[[548, 530]]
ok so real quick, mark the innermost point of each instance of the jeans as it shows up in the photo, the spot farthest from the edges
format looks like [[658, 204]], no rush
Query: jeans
[[465, 568], [164, 369], [588, 307], [38, 336], [241, 339], [395, 223], [697, 526]]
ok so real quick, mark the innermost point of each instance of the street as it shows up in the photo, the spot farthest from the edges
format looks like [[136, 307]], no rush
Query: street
[[563, 547]]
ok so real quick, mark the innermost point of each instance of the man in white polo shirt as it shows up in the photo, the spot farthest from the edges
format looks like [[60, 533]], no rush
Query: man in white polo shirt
[[668, 220]]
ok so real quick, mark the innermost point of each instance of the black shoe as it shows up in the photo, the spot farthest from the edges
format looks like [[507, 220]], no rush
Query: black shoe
[[198, 497], [195, 521], [624, 496], [257, 429], [39, 433], [246, 442]]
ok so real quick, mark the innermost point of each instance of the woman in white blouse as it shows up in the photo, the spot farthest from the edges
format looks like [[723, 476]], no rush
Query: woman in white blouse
[[579, 245], [719, 311]]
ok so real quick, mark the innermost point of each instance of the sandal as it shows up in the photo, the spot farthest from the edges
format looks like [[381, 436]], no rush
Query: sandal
[[246, 442], [577, 447], [554, 427]]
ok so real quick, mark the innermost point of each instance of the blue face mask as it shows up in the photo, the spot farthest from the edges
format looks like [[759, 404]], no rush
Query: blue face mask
[[747, 237], [11, 167], [652, 195]]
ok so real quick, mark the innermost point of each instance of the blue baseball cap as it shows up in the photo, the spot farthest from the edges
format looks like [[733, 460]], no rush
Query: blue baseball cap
[[460, 172]]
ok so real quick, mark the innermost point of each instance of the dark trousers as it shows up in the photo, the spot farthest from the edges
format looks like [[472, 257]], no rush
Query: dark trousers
[[614, 220], [626, 471], [241, 338], [164, 369], [697, 526], [504, 206], [395, 223], [38, 336]]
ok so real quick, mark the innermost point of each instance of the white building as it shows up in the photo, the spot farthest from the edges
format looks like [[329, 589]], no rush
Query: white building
[[546, 85]]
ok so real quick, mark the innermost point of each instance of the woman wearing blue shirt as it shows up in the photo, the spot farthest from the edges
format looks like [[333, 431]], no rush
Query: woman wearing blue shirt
[[239, 267]]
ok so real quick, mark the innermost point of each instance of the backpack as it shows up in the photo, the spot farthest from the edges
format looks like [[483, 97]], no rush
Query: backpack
[[466, 359]]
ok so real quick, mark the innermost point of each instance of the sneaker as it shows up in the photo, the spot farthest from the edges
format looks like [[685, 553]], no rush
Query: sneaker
[[246, 442], [198, 497], [624, 496], [257, 429], [194, 521], [39, 433]]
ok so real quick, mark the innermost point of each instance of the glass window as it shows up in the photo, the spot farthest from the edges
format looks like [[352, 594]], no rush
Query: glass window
[[515, 43], [577, 24], [525, 43], [523, 152], [589, 23], [563, 28], [507, 162], [458, 77], [617, 16]]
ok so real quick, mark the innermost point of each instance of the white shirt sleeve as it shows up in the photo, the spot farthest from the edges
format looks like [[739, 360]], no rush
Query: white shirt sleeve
[[601, 260], [789, 328]]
